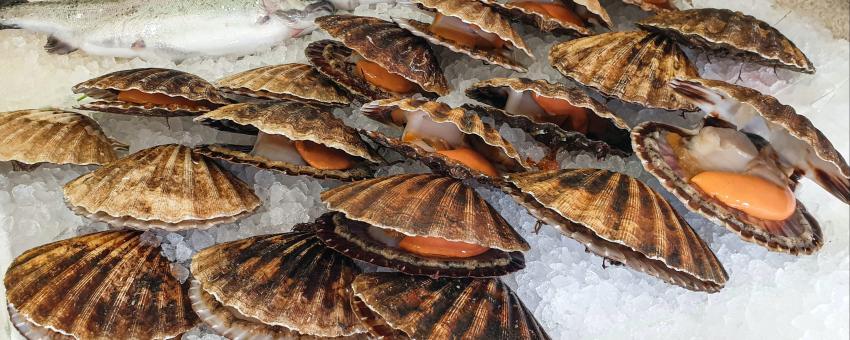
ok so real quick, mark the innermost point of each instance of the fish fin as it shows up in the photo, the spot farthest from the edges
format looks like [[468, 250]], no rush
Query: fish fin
[[56, 46], [836, 184]]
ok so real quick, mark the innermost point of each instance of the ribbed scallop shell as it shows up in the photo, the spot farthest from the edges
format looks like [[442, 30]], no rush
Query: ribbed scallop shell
[[548, 23], [390, 46], [620, 218], [632, 66], [425, 308], [166, 186], [334, 60], [106, 285], [149, 80], [799, 234], [53, 136], [286, 280], [300, 82], [650, 6], [494, 92], [727, 32]]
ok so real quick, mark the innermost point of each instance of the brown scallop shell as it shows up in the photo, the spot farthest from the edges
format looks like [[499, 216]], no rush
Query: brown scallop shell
[[493, 92], [650, 6], [381, 42], [726, 32], [150, 80], [548, 23], [167, 186], [279, 282], [799, 234], [634, 67], [299, 82], [424, 308], [421, 205], [53, 136], [106, 285], [620, 218]]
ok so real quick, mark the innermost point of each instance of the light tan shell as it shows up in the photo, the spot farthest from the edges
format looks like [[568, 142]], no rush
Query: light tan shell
[[300, 82], [166, 186], [106, 285], [53, 136], [634, 67], [620, 218], [652, 7], [548, 23]]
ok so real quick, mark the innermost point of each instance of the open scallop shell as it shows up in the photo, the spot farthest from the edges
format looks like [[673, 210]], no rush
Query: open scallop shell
[[614, 130], [653, 6], [280, 282], [299, 82], [166, 186], [468, 123], [150, 80], [106, 285], [424, 308], [53, 136], [295, 121], [548, 23], [381, 42], [726, 32], [421, 205], [634, 67], [620, 218]]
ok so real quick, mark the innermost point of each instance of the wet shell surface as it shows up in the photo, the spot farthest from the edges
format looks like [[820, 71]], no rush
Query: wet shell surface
[[653, 5], [283, 284], [622, 219], [381, 42], [418, 307], [169, 82], [167, 186], [614, 130], [53, 136], [300, 82], [726, 32], [421, 205], [548, 23], [106, 285], [634, 67]]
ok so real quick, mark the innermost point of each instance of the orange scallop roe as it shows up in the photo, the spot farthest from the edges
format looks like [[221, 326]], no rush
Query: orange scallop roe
[[472, 159], [440, 247], [753, 195], [380, 77], [575, 117], [398, 117], [553, 9], [467, 35], [323, 157], [139, 97]]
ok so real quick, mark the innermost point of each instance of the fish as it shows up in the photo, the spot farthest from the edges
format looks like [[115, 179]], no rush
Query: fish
[[172, 29]]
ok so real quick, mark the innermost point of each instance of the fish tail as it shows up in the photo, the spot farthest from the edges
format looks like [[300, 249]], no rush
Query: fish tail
[[836, 184]]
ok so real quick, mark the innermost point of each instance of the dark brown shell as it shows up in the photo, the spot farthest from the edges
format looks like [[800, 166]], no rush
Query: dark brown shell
[[32, 331], [653, 7], [634, 67], [548, 23], [300, 82], [166, 186], [288, 280], [106, 285], [799, 234], [494, 92], [150, 80], [53, 136], [388, 45], [425, 308], [726, 32], [620, 218]]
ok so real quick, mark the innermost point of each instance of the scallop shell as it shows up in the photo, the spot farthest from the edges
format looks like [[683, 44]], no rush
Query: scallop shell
[[799, 234], [421, 205], [282, 282], [378, 41], [467, 122], [650, 6], [634, 67], [166, 186], [425, 308], [726, 32], [299, 82], [106, 285], [548, 23], [53, 136], [494, 92], [620, 218], [149, 80]]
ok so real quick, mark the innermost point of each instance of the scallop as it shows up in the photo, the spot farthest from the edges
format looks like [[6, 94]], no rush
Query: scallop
[[168, 186], [298, 82], [653, 5], [150, 92], [106, 285], [423, 225], [622, 219], [576, 17]]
